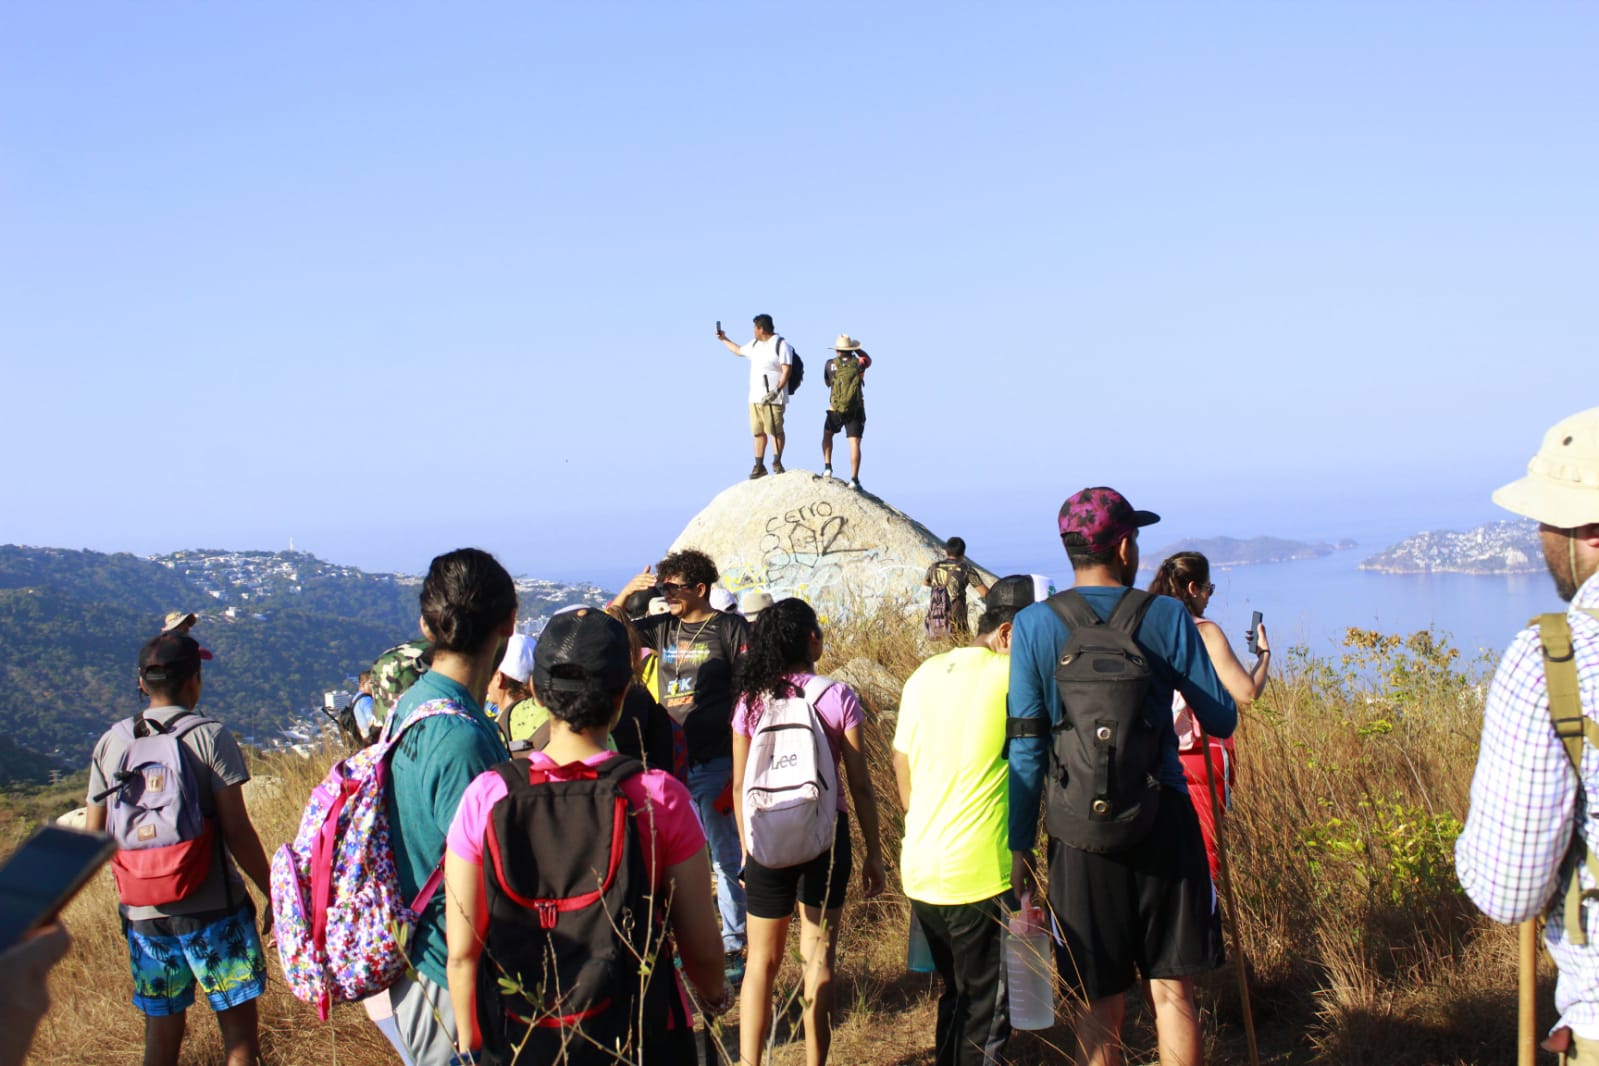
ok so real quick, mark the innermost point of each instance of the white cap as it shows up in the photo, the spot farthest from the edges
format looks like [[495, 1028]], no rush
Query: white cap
[[722, 600], [659, 606], [518, 661]]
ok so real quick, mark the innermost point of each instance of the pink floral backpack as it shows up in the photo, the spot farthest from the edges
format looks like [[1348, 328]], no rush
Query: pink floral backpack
[[342, 926]]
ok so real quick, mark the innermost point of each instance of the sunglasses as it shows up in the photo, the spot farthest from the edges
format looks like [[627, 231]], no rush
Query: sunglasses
[[673, 587], [1210, 589]]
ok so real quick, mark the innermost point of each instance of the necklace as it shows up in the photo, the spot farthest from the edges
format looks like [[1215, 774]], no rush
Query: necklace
[[677, 640]]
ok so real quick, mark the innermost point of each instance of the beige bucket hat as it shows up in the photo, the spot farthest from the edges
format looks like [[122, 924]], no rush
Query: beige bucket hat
[[1561, 488], [846, 343]]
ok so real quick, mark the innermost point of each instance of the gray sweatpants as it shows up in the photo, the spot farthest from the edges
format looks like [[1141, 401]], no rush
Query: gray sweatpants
[[426, 1021]]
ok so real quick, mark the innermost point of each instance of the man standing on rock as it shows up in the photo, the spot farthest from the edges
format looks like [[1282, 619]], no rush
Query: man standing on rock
[[845, 376], [697, 647], [1541, 715], [771, 360], [1128, 879]]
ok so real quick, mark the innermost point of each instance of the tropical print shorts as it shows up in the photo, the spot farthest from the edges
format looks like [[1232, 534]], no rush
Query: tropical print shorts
[[170, 956]]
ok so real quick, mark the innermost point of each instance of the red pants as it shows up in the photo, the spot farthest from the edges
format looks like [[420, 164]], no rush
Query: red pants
[[1226, 769]]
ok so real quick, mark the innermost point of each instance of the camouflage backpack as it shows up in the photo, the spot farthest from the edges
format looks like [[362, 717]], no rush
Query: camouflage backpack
[[395, 671]]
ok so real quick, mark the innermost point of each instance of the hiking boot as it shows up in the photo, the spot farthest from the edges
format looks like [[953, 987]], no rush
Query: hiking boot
[[777, 466], [855, 483], [759, 471], [827, 473], [733, 967]]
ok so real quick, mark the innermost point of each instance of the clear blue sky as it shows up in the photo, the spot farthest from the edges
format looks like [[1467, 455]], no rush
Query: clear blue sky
[[390, 278]]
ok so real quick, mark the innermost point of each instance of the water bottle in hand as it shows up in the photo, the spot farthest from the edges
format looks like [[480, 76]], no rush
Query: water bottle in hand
[[1030, 970]]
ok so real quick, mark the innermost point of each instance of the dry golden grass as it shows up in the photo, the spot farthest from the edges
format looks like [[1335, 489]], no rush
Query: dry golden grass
[[1353, 780]]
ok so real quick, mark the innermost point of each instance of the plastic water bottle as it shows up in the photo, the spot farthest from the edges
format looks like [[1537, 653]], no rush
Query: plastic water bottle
[[918, 956], [1030, 970]]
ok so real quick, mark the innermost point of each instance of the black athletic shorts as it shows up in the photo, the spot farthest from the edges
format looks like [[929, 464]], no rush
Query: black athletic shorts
[[1149, 911], [853, 423], [822, 882]]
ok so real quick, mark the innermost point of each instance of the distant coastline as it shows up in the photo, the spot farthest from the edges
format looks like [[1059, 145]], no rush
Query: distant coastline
[[1508, 547], [1225, 552]]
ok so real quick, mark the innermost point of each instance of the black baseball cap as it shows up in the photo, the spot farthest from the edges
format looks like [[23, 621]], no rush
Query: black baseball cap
[[1016, 591], [170, 657], [589, 646]]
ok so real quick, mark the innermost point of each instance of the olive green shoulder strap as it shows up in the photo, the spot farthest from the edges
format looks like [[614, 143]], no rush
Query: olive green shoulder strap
[[1574, 729]]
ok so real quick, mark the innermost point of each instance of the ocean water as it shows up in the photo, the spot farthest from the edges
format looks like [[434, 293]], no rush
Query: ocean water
[[1313, 602]]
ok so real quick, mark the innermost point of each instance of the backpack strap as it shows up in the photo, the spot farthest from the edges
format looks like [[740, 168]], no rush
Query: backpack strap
[[1073, 609], [1129, 612], [1574, 730]]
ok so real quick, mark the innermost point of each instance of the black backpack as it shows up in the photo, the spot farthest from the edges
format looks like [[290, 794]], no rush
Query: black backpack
[[796, 366], [561, 960], [1104, 791]]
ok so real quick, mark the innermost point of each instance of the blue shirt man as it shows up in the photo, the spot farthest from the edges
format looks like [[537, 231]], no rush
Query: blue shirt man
[[1148, 910]]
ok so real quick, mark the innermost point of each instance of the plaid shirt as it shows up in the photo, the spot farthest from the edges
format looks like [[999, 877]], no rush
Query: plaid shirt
[[1510, 857]]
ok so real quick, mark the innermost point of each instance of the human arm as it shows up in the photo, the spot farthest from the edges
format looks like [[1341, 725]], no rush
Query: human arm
[[902, 779], [732, 345], [25, 987], [1169, 632], [1030, 708], [976, 580], [863, 796], [741, 758], [94, 817], [692, 912], [1245, 686], [465, 920], [1523, 796], [644, 579], [238, 832]]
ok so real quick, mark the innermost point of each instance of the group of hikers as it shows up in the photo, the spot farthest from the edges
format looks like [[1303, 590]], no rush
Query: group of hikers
[[579, 888], [776, 372]]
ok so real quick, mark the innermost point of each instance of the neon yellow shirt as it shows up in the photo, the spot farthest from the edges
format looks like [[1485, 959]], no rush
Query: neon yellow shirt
[[952, 733]]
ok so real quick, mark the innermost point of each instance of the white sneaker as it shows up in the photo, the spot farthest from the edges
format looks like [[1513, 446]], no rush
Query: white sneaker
[[827, 473]]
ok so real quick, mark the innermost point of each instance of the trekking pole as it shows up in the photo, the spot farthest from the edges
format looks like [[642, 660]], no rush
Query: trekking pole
[[1229, 912], [1527, 974]]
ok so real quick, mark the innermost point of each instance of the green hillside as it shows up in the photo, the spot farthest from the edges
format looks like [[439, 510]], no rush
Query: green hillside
[[284, 627]]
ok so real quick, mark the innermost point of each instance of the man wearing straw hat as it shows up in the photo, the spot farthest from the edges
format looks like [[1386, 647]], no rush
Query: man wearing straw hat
[[845, 375], [1541, 723]]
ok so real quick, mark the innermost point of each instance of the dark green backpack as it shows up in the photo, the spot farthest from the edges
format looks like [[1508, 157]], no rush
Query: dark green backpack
[[846, 382]]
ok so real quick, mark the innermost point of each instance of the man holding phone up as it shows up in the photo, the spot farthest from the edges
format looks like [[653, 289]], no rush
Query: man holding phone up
[[206, 936], [770, 359]]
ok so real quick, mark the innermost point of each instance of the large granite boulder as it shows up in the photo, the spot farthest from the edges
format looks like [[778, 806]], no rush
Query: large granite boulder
[[796, 534]]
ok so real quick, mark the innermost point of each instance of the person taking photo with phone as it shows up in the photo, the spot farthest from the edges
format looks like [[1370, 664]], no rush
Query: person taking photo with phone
[[771, 361], [1186, 577]]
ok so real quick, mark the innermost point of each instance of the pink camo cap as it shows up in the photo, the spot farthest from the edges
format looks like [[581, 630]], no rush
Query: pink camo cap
[[1102, 517]]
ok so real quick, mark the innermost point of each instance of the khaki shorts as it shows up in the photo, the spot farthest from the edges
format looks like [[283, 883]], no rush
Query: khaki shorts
[[766, 419]]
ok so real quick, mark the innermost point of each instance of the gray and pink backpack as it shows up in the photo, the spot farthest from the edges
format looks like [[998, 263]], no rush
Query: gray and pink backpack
[[164, 841]]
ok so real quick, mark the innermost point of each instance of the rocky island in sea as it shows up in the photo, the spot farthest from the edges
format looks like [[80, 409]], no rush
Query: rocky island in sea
[[1224, 552], [1508, 547]]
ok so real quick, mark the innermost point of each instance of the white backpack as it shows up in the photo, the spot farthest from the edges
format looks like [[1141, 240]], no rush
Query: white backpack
[[790, 782]]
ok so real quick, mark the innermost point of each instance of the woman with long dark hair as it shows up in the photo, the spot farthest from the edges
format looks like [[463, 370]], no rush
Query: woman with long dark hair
[[468, 605], [1186, 577], [781, 664]]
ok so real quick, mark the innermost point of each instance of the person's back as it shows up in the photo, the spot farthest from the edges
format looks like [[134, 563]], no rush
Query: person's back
[[204, 936], [1133, 897], [949, 762], [468, 606], [655, 872]]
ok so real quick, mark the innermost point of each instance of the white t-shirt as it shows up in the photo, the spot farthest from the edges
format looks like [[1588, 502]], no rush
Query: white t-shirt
[[766, 366]]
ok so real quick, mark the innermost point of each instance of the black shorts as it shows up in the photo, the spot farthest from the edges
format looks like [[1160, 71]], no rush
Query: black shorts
[[853, 423], [822, 882], [1149, 911]]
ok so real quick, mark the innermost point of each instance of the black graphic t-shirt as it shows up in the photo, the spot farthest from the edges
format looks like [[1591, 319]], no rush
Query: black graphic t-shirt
[[696, 677]]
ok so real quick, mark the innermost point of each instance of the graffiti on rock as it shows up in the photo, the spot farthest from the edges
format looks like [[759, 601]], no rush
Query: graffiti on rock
[[806, 546]]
